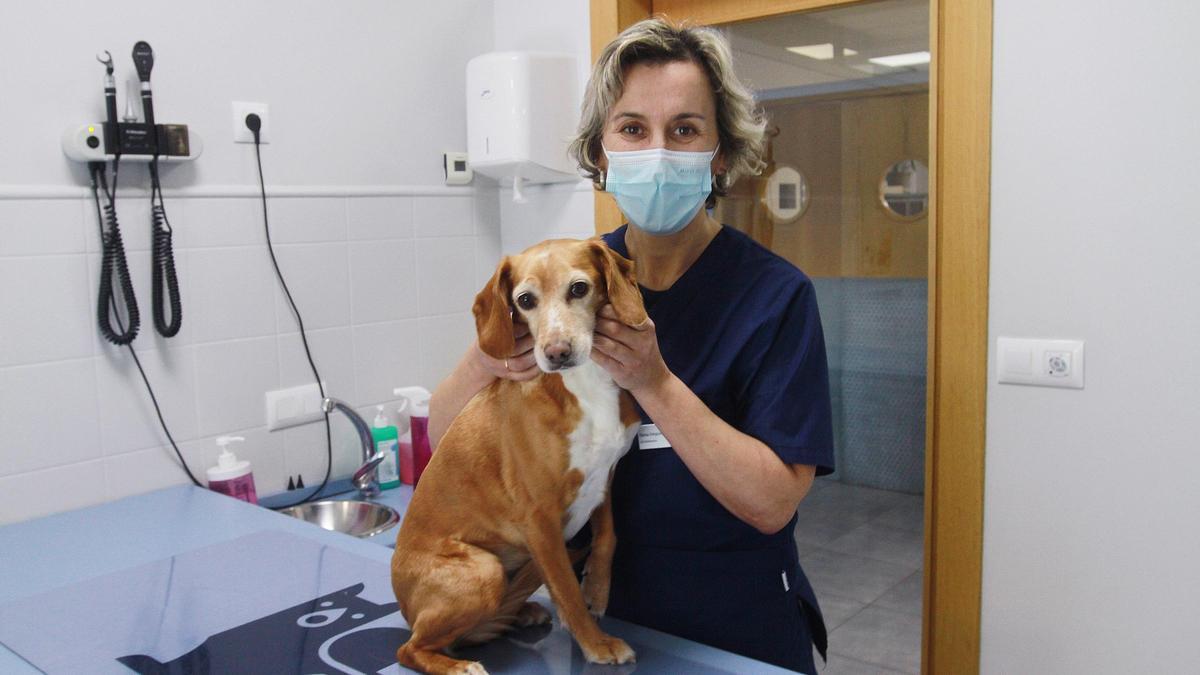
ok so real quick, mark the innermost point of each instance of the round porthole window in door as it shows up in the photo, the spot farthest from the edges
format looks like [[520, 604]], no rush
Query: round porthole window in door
[[904, 189]]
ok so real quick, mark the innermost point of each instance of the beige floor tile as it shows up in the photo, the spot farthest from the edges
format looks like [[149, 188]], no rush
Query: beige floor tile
[[882, 637]]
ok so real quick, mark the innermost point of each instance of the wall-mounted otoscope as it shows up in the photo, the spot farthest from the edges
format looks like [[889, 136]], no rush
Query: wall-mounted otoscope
[[110, 101]]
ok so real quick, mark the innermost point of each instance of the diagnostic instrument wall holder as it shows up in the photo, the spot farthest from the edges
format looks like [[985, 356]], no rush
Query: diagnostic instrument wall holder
[[129, 139], [97, 144], [116, 286], [136, 141]]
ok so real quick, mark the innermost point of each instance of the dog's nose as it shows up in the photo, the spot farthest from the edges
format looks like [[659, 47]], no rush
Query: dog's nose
[[558, 353]]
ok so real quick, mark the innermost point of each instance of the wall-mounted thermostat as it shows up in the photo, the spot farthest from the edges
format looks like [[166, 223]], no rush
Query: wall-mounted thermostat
[[458, 170]]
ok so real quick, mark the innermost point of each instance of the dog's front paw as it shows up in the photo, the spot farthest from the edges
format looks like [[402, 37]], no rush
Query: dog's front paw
[[608, 649], [469, 668], [595, 594], [532, 614]]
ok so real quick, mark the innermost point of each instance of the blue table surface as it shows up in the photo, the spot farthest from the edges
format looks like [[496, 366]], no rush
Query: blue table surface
[[41, 555]]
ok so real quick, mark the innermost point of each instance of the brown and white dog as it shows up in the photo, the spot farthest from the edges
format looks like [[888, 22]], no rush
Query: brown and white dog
[[522, 468]]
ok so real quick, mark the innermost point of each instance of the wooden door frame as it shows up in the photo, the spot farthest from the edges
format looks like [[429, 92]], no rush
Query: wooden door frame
[[956, 384]]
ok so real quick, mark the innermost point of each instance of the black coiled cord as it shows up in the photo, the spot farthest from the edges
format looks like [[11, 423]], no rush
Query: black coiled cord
[[112, 262], [162, 263], [97, 169]]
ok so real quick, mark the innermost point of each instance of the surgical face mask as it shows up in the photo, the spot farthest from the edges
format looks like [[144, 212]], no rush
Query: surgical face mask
[[659, 190]]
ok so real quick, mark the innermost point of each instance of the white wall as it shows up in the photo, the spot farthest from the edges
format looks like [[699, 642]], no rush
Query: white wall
[[563, 209], [1091, 552], [383, 260], [361, 93]]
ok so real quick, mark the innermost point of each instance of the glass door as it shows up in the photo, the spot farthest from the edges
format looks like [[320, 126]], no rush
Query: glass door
[[844, 196]]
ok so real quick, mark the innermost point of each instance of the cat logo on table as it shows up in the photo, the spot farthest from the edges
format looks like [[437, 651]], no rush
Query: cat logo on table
[[329, 632]]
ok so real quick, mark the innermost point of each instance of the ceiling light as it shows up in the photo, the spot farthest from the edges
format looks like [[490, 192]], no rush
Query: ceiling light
[[902, 60], [846, 51], [820, 52], [871, 68]]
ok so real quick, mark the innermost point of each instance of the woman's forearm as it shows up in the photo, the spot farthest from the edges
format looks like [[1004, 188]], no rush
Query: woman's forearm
[[454, 392], [475, 371], [738, 470]]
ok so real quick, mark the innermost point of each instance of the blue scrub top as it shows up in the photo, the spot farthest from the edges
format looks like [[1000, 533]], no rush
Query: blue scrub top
[[741, 329]]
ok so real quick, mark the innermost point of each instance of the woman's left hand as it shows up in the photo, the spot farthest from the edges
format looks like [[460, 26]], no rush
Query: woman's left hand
[[629, 354]]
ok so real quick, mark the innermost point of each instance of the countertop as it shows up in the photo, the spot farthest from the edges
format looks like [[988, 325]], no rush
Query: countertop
[[44, 555]]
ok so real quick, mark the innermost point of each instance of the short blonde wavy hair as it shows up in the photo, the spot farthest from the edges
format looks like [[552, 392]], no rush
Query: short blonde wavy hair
[[740, 122]]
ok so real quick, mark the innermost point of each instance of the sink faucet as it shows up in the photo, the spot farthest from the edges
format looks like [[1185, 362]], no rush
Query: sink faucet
[[365, 478]]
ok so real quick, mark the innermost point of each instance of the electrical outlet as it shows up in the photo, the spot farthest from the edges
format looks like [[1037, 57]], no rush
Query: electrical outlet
[[1058, 364], [241, 133]]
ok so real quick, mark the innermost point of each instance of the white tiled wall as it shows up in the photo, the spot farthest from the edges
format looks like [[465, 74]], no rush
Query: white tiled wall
[[553, 211], [385, 285]]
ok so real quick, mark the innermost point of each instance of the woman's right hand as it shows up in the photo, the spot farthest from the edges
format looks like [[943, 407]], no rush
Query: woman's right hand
[[520, 366]]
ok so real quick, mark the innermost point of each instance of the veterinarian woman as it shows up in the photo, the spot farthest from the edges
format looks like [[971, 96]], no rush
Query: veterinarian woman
[[730, 372]]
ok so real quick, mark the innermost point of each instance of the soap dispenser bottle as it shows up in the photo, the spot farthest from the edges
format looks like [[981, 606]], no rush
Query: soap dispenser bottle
[[386, 439], [230, 476], [404, 427], [418, 406]]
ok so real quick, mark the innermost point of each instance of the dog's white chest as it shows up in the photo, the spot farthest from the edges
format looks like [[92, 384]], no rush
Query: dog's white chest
[[597, 442]]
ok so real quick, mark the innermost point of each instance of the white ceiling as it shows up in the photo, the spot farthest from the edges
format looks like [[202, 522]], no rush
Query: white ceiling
[[872, 30]]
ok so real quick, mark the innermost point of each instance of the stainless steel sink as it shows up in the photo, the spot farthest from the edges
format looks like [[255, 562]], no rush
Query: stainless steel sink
[[354, 517]]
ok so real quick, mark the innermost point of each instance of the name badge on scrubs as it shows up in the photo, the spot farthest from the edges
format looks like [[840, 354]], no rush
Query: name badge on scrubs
[[650, 438]]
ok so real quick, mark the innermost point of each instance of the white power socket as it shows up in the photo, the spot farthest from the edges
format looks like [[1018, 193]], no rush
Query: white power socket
[[293, 407], [242, 133]]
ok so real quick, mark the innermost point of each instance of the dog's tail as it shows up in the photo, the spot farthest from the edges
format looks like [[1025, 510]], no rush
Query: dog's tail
[[523, 583]]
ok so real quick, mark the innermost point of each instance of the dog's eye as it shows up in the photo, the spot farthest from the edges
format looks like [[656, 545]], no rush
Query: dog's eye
[[526, 301], [579, 289]]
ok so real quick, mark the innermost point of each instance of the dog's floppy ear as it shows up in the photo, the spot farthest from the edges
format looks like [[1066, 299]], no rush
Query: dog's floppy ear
[[620, 283], [493, 314]]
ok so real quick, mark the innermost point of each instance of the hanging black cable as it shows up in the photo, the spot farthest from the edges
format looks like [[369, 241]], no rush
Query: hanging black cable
[[255, 124], [97, 170], [162, 263], [113, 263]]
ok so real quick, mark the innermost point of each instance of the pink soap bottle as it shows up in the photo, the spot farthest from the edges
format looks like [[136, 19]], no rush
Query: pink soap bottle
[[404, 424], [422, 452], [230, 476], [418, 406], [408, 470]]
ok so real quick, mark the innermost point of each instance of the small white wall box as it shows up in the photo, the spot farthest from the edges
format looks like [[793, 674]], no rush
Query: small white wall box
[[522, 110], [457, 168]]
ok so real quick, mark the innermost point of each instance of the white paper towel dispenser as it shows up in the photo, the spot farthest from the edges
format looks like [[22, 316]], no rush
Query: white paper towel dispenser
[[522, 111]]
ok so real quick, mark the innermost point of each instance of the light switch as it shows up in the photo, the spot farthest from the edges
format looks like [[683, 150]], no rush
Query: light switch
[[294, 406], [1041, 363], [1016, 359]]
